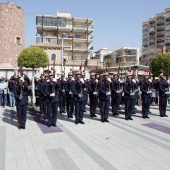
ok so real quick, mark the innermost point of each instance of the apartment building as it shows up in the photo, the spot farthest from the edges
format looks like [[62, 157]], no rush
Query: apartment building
[[155, 36], [11, 37], [127, 56], [72, 34], [101, 53]]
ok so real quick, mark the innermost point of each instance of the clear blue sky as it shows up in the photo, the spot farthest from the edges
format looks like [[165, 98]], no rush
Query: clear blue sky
[[117, 23]]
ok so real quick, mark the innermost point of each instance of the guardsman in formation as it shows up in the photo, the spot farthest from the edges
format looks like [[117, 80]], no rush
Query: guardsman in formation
[[79, 98], [43, 104], [146, 89], [62, 96], [104, 97], [21, 98], [135, 83], [85, 92], [52, 89], [129, 95], [116, 94], [69, 96], [164, 94], [93, 96]]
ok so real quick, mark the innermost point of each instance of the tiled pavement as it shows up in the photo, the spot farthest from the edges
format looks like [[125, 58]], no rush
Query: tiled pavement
[[123, 145]]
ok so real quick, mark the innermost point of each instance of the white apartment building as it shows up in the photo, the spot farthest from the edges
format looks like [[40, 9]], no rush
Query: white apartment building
[[72, 35], [155, 36]]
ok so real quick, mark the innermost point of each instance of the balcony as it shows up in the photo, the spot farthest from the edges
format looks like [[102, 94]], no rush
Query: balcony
[[160, 21], [168, 17], [160, 39], [160, 44], [160, 28], [152, 41], [160, 33]]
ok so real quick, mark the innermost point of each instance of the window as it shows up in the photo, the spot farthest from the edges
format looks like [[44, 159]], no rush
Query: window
[[50, 21], [78, 46], [167, 27], [160, 19], [167, 33], [18, 40], [130, 59], [78, 36]]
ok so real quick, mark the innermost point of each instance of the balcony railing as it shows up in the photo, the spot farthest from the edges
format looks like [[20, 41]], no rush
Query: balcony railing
[[160, 39], [160, 27], [160, 33]]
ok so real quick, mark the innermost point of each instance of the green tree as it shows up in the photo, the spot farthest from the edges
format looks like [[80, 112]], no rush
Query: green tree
[[33, 57], [161, 62]]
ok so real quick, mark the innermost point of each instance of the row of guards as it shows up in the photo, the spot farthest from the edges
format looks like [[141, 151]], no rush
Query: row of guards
[[72, 93]]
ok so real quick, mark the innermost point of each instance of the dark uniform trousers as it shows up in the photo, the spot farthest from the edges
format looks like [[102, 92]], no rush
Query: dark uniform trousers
[[77, 88], [104, 87], [146, 97], [163, 87], [129, 99], [43, 105], [62, 96], [115, 96], [69, 99], [21, 104], [52, 101], [93, 97]]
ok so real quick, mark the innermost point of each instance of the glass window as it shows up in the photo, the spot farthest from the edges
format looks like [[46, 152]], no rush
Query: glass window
[[18, 40], [78, 36], [38, 20], [54, 21], [78, 46], [160, 19], [61, 22], [145, 31], [167, 27], [167, 33], [167, 14]]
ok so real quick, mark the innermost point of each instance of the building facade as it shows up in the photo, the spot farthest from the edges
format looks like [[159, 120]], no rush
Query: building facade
[[72, 36], [155, 36], [11, 37], [127, 56]]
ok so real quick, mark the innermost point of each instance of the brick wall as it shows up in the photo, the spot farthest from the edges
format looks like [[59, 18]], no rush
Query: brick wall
[[11, 27]]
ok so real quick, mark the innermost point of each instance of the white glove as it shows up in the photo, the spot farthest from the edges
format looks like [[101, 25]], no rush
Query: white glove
[[150, 80], [73, 78], [79, 95], [119, 80], [109, 79], [64, 79], [167, 92], [132, 94], [70, 92], [96, 80], [149, 92], [52, 94], [95, 93], [108, 93], [82, 81], [63, 90], [54, 79], [133, 80], [48, 80], [137, 80], [85, 79]]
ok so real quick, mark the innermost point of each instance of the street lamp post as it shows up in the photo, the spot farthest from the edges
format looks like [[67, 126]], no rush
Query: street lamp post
[[62, 51], [53, 57]]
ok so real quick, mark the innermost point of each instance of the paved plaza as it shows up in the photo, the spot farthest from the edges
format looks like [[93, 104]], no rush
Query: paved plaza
[[141, 144]]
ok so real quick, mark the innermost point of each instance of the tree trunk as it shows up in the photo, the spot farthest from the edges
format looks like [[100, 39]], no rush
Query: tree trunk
[[33, 89]]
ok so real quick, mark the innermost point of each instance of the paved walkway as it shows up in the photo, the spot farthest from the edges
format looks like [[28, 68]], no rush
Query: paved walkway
[[120, 144]]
